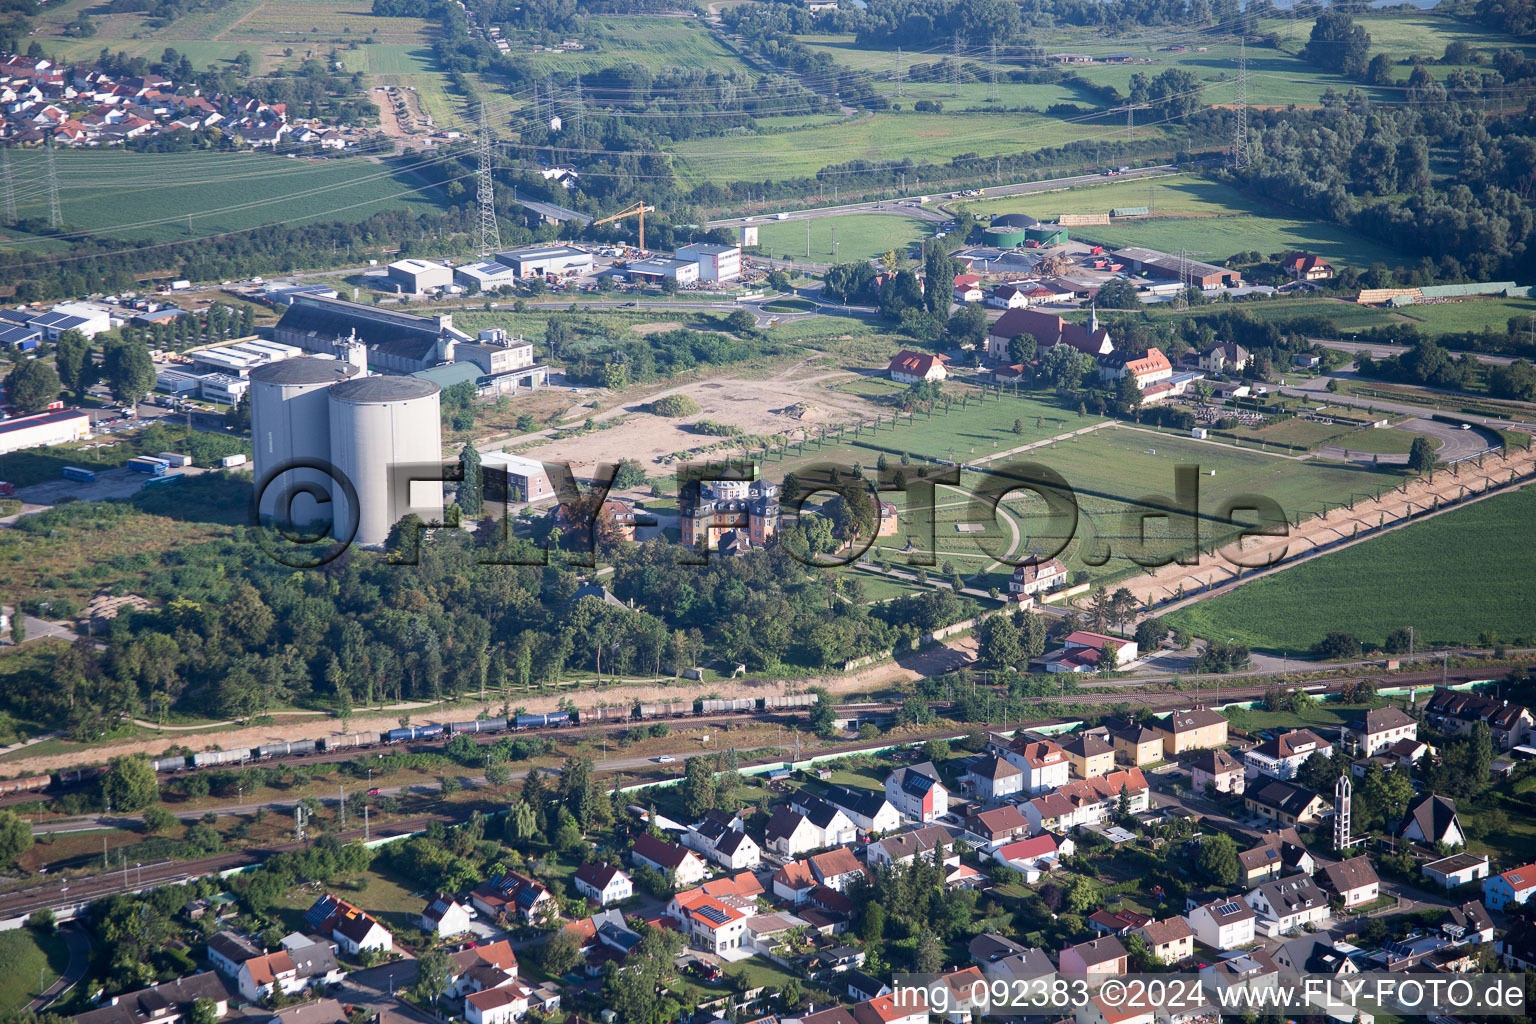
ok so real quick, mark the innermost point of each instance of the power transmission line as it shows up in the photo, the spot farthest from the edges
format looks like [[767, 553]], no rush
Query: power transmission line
[[490, 231], [901, 72], [55, 217], [992, 76], [1240, 160]]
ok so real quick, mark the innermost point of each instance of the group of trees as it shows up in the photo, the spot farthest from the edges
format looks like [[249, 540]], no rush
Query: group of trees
[[124, 364]]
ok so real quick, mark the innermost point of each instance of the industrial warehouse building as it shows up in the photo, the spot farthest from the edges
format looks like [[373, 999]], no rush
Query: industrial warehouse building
[[659, 268], [415, 277], [718, 264], [333, 446], [402, 342], [542, 260], [1204, 276], [58, 427], [513, 478], [241, 357]]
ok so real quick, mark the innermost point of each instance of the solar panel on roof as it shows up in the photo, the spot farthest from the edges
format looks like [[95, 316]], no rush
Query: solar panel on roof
[[1227, 908], [713, 914]]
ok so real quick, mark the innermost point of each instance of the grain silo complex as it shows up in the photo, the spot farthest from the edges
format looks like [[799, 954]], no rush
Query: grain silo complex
[[291, 419], [379, 427], [373, 432]]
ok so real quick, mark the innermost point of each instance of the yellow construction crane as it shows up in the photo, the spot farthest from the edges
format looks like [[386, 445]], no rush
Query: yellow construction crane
[[639, 208]]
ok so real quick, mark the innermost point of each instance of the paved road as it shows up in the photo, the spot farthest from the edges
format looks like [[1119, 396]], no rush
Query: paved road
[[1317, 388], [79, 946], [1454, 443], [1381, 349], [928, 212]]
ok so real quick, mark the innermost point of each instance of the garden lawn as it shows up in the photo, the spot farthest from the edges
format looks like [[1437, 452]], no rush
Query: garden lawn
[[859, 236], [387, 896], [24, 953], [1453, 578]]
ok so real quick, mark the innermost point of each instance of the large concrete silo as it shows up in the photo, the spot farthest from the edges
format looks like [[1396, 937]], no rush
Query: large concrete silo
[[290, 420], [380, 426]]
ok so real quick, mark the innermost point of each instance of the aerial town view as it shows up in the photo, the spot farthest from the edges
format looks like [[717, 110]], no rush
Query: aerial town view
[[767, 511]]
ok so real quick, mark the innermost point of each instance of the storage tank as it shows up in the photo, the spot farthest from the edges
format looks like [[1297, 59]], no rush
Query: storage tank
[[290, 419], [1002, 236], [379, 426]]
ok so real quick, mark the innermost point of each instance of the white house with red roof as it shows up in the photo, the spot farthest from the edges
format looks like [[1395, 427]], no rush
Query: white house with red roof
[[685, 866], [604, 883], [445, 916], [1033, 856], [1083, 651], [497, 1005], [909, 367], [968, 288], [710, 922], [1510, 888], [1088, 801], [1045, 764]]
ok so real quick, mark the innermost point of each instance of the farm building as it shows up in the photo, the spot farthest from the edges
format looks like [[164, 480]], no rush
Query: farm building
[[414, 277], [1046, 234], [1160, 264], [58, 427]]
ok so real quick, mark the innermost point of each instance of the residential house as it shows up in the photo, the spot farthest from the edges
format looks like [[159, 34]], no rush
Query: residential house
[[790, 833], [1044, 764], [999, 956], [1468, 924], [1282, 853], [1353, 881], [351, 929], [1305, 266], [993, 778], [1033, 578], [1281, 756], [1033, 856], [1171, 940], [908, 367], [604, 883], [1457, 869], [1097, 959], [1086, 651], [1510, 888], [837, 868], [1286, 803], [478, 968], [1198, 729], [320, 1011], [1227, 357], [1456, 712], [968, 288], [1089, 755], [868, 809], [1286, 904], [1224, 924], [169, 1003], [724, 842], [1378, 729], [1217, 771], [794, 881], [1251, 971], [684, 866], [514, 896], [1145, 370], [904, 847], [918, 792], [1516, 948], [1088, 801], [1312, 955], [1432, 820], [1118, 923], [711, 922], [288, 971], [1137, 745], [445, 916], [227, 950], [1009, 296], [497, 1005], [1131, 1008], [999, 824]]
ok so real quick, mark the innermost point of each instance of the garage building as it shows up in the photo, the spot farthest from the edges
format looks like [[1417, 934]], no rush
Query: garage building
[[654, 271], [542, 260], [418, 276]]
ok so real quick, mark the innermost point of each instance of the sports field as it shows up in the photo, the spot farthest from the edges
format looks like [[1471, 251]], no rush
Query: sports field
[[884, 136], [150, 195], [858, 236], [1452, 578]]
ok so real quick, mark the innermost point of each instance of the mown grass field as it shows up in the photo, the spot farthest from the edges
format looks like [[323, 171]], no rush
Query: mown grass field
[[25, 952], [1172, 193], [1452, 578], [149, 196], [858, 236], [1468, 315], [884, 136], [1243, 228], [652, 42]]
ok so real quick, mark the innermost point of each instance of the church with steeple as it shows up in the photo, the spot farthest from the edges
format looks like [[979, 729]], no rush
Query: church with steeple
[[1048, 330]]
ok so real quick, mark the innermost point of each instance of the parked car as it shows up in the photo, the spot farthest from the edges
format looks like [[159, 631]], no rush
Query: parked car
[[664, 759]]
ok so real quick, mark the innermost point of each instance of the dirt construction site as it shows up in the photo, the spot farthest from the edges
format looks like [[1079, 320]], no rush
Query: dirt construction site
[[1340, 524]]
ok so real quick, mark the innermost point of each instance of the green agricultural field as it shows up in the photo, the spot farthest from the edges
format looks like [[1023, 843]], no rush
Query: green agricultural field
[[858, 236], [1453, 578], [1218, 238], [884, 136], [652, 42], [24, 953], [1172, 193], [150, 195], [1467, 315]]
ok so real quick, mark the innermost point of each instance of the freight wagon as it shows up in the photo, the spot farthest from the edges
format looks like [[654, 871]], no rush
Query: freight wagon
[[398, 735], [711, 707], [210, 758], [479, 725], [75, 776], [800, 700], [354, 739], [298, 748], [169, 764], [668, 710], [605, 715], [30, 784]]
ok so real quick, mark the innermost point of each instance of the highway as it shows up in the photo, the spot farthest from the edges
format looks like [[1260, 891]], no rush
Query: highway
[[930, 212]]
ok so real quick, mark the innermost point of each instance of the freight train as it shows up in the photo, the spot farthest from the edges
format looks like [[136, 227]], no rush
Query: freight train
[[72, 777]]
